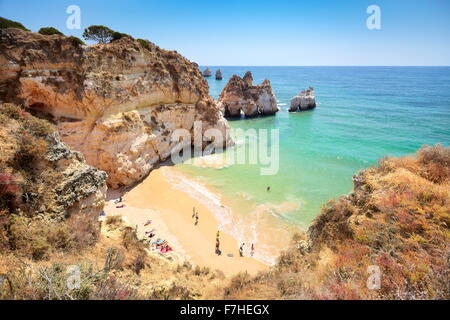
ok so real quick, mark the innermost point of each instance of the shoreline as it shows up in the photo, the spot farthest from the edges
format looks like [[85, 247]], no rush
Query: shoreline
[[167, 198]]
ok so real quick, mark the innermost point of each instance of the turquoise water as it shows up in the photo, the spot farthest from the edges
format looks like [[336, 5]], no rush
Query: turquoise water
[[363, 114]]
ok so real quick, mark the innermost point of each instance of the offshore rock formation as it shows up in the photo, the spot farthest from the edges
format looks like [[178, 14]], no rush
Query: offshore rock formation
[[305, 100], [219, 75], [40, 175], [240, 95], [207, 72], [117, 103]]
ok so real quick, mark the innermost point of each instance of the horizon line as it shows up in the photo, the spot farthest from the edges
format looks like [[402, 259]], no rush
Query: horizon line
[[402, 66]]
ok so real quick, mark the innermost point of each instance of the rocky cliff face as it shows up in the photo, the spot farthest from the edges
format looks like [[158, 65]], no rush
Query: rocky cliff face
[[117, 103], [40, 176], [240, 95]]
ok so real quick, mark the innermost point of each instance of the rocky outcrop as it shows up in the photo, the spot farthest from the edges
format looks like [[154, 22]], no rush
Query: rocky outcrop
[[241, 96], [117, 103], [207, 72], [219, 75], [305, 100], [51, 179]]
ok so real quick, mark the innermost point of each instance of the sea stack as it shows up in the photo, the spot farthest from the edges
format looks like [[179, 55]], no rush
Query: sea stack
[[305, 100], [241, 96], [207, 72], [219, 75]]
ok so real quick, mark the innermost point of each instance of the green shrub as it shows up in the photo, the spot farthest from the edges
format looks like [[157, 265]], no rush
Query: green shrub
[[101, 34], [48, 31], [145, 43], [77, 41], [6, 23], [119, 35]]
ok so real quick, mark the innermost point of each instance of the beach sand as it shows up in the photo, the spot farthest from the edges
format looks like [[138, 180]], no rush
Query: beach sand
[[170, 209]]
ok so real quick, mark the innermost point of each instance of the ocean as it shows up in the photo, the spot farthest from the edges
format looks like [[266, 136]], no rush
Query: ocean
[[362, 115]]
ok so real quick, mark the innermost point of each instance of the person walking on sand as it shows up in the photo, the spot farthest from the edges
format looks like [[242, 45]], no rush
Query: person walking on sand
[[241, 250], [196, 218], [218, 246], [252, 252]]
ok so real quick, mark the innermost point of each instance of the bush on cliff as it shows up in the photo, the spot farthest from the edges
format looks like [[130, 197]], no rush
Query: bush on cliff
[[48, 31], [31, 222], [98, 33], [395, 221], [120, 35], [77, 41], [6, 23]]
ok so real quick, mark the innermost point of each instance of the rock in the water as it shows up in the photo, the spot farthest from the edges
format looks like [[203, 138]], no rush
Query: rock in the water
[[117, 103], [248, 78], [241, 96], [219, 75], [305, 100], [207, 72]]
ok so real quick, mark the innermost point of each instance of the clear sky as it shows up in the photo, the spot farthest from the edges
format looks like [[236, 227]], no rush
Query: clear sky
[[270, 33]]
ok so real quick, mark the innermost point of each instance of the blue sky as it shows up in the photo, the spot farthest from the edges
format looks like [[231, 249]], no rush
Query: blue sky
[[251, 33]]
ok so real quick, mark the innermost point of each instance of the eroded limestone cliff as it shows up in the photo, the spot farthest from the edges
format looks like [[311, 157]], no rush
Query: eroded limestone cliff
[[117, 103], [41, 178]]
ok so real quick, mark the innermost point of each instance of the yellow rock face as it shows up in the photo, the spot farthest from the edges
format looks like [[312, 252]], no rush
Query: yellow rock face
[[117, 103]]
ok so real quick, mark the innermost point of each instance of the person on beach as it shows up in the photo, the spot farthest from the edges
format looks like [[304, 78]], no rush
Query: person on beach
[[218, 234], [252, 252], [218, 252], [241, 250], [196, 218]]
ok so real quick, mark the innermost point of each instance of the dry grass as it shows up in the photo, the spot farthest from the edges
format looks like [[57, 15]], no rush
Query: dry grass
[[397, 218]]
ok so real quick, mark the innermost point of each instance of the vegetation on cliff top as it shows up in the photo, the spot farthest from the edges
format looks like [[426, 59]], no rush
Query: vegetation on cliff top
[[49, 31], [6, 23], [396, 220]]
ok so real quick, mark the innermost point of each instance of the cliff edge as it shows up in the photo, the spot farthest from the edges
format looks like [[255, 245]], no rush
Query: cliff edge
[[117, 103]]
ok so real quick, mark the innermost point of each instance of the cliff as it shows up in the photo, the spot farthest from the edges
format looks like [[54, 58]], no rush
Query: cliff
[[44, 184], [240, 95], [388, 239], [117, 103]]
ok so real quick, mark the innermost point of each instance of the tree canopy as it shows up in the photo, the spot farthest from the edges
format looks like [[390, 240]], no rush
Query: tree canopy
[[101, 34]]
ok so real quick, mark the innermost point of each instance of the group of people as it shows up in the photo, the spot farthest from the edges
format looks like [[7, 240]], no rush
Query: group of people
[[117, 201], [159, 244], [241, 249]]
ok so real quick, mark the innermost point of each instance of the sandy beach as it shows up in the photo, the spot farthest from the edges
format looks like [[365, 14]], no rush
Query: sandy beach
[[170, 210]]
